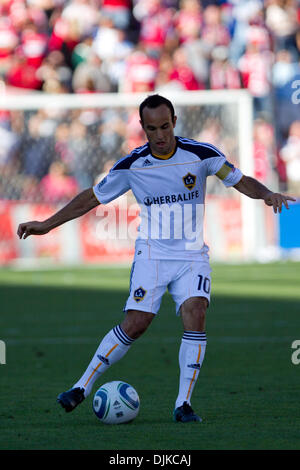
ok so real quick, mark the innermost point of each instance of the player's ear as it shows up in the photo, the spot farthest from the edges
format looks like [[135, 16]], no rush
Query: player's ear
[[142, 124], [174, 121]]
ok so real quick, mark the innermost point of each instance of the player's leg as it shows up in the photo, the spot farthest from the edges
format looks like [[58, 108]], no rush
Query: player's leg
[[192, 348], [117, 342], [113, 347], [191, 293], [136, 322]]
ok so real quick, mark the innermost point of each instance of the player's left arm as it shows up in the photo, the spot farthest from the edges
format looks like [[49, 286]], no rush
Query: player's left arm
[[253, 188]]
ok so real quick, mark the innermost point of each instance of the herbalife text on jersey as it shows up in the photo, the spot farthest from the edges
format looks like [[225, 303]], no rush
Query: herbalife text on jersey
[[159, 218]]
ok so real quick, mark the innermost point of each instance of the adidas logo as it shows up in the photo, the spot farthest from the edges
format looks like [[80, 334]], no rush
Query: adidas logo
[[194, 366], [103, 359], [147, 162]]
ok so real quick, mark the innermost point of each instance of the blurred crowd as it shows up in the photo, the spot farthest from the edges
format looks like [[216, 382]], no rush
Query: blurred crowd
[[100, 46]]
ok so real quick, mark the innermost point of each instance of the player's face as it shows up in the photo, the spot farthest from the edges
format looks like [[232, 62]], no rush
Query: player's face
[[159, 128]]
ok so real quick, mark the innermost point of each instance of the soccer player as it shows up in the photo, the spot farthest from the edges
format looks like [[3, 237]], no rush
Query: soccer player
[[167, 176]]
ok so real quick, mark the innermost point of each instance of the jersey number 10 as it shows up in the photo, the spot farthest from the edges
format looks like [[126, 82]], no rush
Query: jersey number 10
[[204, 283]]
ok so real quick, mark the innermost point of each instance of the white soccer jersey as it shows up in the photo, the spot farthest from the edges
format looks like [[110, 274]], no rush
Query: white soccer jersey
[[171, 195]]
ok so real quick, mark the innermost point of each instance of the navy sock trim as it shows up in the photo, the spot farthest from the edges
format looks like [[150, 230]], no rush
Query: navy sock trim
[[194, 336], [122, 336]]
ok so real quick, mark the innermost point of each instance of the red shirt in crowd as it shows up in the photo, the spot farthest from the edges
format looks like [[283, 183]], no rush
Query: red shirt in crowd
[[188, 24], [155, 28], [186, 77], [224, 75], [8, 39], [116, 4], [255, 69], [140, 73], [34, 47], [22, 75]]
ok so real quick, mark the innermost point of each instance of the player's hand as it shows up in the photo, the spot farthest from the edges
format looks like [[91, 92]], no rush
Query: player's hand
[[277, 200], [32, 228]]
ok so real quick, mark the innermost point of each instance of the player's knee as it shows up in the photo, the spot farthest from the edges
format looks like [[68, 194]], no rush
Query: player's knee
[[194, 314], [136, 323], [198, 314]]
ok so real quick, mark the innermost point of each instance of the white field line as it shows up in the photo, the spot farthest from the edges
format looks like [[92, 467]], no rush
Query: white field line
[[169, 339]]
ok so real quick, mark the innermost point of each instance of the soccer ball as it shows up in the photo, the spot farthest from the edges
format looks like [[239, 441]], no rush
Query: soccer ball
[[116, 402]]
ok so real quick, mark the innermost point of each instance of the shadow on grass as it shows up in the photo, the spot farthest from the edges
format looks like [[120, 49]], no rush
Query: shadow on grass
[[242, 380]]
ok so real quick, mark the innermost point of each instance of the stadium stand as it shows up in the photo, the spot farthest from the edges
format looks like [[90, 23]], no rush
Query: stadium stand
[[94, 46]]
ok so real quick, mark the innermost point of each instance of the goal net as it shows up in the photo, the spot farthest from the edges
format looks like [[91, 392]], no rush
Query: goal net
[[54, 146]]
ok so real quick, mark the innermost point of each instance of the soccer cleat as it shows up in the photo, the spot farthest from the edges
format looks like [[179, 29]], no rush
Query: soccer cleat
[[185, 414], [71, 398]]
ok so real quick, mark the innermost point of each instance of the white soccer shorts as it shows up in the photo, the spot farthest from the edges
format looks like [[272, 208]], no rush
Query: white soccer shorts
[[149, 280]]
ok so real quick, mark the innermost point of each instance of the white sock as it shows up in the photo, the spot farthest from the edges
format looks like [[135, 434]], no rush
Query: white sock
[[111, 349], [191, 355]]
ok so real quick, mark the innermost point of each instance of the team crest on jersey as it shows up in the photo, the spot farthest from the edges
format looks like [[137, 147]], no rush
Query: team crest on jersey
[[189, 181], [139, 294]]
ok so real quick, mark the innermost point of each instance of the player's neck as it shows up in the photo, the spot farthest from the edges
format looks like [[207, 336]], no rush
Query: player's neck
[[165, 156]]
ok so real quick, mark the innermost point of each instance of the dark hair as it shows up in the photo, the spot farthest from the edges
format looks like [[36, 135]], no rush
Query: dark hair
[[153, 101]]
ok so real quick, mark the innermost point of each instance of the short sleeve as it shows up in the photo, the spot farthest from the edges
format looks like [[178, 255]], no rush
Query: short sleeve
[[113, 185]]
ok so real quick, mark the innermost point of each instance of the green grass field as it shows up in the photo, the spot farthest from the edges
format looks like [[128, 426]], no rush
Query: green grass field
[[247, 392]]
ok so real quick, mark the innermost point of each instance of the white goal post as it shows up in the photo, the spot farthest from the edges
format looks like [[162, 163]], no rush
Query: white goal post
[[234, 114]]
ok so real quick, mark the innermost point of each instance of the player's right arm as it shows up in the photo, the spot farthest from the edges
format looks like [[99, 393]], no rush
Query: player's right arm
[[80, 205]]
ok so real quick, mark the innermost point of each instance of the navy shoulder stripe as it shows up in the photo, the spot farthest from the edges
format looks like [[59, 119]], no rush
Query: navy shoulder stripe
[[126, 162], [202, 149]]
